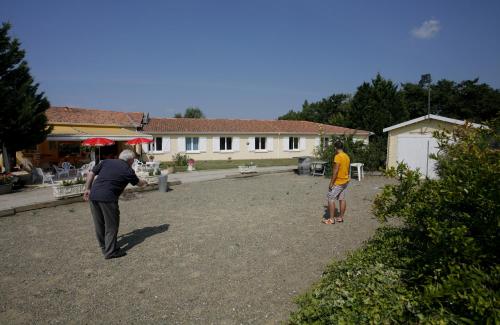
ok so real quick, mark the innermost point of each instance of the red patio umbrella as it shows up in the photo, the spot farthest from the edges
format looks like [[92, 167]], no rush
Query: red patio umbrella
[[98, 142], [139, 141]]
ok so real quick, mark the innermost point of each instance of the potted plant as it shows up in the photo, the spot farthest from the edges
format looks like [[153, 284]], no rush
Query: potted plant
[[69, 188], [5, 183], [248, 168], [152, 176], [190, 163]]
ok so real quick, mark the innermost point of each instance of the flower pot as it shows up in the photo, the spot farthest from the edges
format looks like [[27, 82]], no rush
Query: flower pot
[[61, 192], [247, 169], [5, 188]]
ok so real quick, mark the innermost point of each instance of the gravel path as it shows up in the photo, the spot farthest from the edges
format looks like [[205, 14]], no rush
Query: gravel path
[[219, 252]]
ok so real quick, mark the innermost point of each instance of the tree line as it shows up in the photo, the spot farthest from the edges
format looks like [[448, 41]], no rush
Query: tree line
[[381, 103]]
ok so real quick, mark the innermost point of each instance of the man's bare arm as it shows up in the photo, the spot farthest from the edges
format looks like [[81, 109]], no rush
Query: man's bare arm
[[88, 185], [335, 172]]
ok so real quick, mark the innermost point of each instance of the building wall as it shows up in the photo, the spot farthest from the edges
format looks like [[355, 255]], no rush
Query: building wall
[[426, 127], [307, 144]]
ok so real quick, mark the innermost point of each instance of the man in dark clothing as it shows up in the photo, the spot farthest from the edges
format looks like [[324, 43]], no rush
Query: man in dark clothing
[[103, 192]]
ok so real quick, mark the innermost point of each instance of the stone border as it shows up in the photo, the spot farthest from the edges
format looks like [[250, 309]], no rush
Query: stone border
[[53, 203]]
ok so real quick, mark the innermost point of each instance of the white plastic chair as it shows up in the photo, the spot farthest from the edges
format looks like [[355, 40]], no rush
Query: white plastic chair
[[45, 177], [69, 167], [85, 169], [360, 172], [60, 171], [138, 165]]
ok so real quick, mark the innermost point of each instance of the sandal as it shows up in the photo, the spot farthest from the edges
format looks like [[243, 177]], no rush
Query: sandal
[[328, 221], [339, 220]]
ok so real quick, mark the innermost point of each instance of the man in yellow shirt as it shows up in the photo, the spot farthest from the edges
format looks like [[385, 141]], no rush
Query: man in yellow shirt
[[338, 183]]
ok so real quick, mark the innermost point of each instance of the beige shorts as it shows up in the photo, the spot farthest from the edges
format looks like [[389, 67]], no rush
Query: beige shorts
[[337, 192]]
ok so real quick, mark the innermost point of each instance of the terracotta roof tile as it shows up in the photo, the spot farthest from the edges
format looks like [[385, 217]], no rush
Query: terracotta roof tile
[[72, 115], [195, 126]]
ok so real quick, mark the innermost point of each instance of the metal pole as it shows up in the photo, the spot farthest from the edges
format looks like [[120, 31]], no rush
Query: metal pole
[[429, 100]]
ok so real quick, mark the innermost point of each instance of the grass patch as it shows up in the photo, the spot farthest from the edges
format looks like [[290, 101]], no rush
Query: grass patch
[[228, 164]]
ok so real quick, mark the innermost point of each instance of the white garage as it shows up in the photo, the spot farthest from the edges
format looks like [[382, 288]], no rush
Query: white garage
[[412, 142]]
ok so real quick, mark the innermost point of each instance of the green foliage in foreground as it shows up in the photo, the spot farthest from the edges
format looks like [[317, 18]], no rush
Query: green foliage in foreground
[[441, 265]]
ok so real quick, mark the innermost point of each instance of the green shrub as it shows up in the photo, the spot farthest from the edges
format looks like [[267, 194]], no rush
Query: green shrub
[[78, 180], [180, 159], [373, 155], [441, 265], [366, 287]]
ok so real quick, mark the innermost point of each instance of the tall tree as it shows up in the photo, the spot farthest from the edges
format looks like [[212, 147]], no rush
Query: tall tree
[[465, 100], [376, 105], [333, 109], [193, 112], [22, 108]]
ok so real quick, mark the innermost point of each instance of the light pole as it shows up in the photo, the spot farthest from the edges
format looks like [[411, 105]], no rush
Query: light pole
[[426, 79]]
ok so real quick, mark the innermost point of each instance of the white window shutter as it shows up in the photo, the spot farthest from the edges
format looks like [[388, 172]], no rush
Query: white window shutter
[[317, 142], [203, 144], [181, 144], [215, 144], [269, 144], [286, 141], [165, 143], [302, 143], [236, 144], [251, 144], [145, 147]]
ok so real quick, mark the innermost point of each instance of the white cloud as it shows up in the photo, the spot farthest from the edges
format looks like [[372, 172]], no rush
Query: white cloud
[[428, 29]]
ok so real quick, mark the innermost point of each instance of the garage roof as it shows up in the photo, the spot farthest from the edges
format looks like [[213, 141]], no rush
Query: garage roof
[[430, 117]]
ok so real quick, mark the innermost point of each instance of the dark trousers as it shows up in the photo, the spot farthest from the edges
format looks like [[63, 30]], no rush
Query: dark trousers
[[106, 217]]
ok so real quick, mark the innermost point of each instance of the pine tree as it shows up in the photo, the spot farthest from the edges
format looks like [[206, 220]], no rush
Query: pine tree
[[22, 109]]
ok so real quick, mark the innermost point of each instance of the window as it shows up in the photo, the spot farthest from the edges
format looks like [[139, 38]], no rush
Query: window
[[293, 143], [324, 142], [226, 144], [156, 145], [192, 144], [260, 143]]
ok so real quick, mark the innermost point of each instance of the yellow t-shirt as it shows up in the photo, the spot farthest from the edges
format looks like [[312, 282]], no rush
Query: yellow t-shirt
[[344, 162]]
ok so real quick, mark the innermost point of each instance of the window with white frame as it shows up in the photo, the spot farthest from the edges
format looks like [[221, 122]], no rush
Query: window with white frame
[[293, 143], [192, 143], [226, 143], [156, 145], [260, 143], [325, 142]]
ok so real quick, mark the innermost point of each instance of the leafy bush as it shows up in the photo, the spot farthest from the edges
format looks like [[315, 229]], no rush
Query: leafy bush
[[180, 159], [373, 155], [79, 180], [441, 265], [366, 287], [5, 179]]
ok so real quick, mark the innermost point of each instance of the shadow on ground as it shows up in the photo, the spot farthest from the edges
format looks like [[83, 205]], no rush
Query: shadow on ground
[[133, 238]]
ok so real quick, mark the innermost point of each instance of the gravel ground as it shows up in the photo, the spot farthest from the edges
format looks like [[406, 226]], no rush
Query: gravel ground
[[221, 252]]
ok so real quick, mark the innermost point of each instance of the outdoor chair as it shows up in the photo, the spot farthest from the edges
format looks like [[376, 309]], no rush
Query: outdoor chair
[[138, 165], [38, 173], [359, 170], [60, 171], [69, 167], [85, 169]]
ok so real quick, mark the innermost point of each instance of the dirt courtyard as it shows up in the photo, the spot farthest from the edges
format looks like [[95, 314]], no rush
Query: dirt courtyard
[[220, 252]]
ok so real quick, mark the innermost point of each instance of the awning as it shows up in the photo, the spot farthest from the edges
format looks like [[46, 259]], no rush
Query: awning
[[79, 133]]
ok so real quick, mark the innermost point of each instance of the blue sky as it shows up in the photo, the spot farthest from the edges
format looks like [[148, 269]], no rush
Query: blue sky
[[246, 59]]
